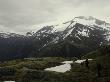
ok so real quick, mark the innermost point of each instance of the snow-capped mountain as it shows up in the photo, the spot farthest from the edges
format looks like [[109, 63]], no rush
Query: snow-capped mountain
[[72, 38], [9, 35], [77, 28]]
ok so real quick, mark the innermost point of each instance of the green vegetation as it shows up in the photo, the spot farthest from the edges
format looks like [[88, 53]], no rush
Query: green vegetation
[[31, 69], [13, 70]]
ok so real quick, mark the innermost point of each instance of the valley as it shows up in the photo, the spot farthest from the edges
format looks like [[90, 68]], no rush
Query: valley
[[34, 69], [57, 53]]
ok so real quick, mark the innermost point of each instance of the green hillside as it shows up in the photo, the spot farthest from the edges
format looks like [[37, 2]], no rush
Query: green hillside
[[31, 70]]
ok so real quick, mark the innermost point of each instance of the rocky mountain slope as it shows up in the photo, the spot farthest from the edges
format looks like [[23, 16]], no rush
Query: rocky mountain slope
[[72, 38], [82, 34]]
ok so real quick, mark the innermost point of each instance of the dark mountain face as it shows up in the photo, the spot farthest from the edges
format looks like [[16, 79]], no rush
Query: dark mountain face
[[81, 35], [14, 46], [72, 38]]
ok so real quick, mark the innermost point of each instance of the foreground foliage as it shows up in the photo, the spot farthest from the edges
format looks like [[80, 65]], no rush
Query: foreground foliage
[[32, 69]]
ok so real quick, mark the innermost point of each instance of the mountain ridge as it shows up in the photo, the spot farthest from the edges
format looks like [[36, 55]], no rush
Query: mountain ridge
[[81, 34]]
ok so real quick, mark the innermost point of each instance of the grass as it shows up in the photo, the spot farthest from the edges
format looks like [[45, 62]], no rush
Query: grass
[[29, 70]]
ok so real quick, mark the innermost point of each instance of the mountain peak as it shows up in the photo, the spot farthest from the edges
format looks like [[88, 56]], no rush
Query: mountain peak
[[91, 21], [88, 21], [86, 17]]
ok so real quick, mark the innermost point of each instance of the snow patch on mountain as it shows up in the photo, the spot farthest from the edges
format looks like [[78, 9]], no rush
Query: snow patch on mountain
[[85, 21], [60, 27], [55, 40], [108, 38], [84, 32], [69, 32], [90, 21], [62, 68], [81, 61], [8, 34]]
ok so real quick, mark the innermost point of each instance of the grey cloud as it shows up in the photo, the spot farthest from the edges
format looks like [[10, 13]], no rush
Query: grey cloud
[[18, 15]]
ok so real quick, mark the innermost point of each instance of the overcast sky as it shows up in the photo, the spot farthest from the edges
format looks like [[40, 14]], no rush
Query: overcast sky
[[22, 15]]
